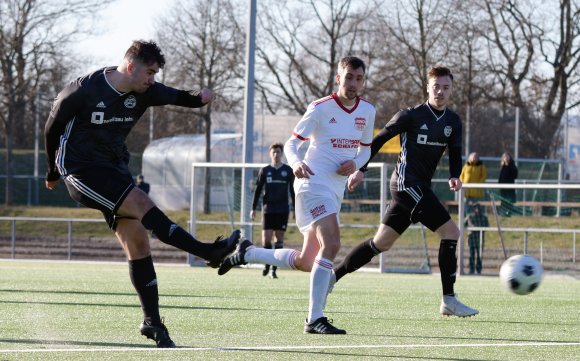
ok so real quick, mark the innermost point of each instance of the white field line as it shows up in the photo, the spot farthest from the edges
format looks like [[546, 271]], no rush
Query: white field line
[[285, 348]]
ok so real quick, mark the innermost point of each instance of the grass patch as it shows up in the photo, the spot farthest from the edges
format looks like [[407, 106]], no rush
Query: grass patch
[[82, 311]]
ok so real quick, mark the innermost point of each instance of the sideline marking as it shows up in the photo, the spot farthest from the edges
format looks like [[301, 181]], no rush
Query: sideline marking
[[277, 348]]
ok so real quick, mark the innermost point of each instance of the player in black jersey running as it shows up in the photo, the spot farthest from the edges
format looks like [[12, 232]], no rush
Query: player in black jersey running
[[85, 145], [276, 179], [426, 131]]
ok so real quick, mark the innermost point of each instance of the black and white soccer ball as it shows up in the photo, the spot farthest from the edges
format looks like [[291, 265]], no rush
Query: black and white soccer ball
[[521, 274]]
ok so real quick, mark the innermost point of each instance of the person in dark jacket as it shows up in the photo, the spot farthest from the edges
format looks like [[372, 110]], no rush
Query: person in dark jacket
[[508, 173]]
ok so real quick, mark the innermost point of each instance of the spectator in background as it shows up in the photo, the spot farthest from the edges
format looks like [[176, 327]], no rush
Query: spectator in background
[[508, 173], [141, 184], [476, 218], [473, 171]]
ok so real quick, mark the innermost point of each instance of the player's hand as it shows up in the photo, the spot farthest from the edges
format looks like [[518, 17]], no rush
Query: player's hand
[[51, 184], [252, 215], [207, 95], [355, 179], [347, 168], [455, 184], [302, 170]]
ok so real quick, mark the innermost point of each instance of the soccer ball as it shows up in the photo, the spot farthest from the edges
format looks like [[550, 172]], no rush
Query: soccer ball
[[521, 274]]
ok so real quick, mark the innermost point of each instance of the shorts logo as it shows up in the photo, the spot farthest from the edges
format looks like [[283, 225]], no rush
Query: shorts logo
[[447, 131], [318, 211], [360, 123], [130, 102]]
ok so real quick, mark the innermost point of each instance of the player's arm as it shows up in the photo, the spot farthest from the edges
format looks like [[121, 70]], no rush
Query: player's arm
[[395, 126], [291, 189], [257, 192], [162, 95], [301, 133], [455, 162], [64, 108]]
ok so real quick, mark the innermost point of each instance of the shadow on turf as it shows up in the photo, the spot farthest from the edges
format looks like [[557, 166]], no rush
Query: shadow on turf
[[73, 343], [275, 297], [374, 356]]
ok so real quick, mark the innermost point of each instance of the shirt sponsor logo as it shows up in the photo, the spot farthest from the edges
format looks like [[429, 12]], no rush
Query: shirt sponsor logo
[[344, 143], [318, 211], [447, 131], [360, 123], [130, 102]]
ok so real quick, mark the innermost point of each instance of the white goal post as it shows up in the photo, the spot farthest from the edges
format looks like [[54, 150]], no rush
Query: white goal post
[[225, 195]]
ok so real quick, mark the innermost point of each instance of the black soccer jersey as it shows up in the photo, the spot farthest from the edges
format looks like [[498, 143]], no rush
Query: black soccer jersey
[[277, 184], [424, 137], [90, 120]]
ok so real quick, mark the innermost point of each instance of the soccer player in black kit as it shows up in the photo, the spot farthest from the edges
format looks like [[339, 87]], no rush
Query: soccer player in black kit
[[425, 132], [276, 179], [85, 145]]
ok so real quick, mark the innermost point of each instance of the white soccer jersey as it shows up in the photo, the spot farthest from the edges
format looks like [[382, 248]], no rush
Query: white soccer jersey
[[337, 134]]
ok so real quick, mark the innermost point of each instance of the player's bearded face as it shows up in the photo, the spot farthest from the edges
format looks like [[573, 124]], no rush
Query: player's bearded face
[[440, 89], [350, 82], [143, 76]]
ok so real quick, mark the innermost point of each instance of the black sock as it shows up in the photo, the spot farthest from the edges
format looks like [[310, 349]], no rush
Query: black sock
[[448, 265], [144, 279], [168, 232], [358, 257]]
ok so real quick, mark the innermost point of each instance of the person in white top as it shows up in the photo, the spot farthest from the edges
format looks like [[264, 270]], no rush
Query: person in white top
[[340, 130]]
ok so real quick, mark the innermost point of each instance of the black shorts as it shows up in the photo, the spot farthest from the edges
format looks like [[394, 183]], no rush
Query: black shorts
[[415, 204], [104, 189], [275, 221]]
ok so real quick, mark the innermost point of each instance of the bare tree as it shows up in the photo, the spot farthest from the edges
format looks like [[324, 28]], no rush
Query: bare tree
[[33, 35], [205, 49], [299, 46], [561, 50]]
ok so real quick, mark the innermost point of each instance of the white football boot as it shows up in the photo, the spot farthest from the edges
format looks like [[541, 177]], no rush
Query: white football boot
[[451, 306]]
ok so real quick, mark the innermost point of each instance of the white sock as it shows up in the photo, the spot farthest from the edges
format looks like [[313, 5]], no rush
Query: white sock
[[319, 278], [281, 257]]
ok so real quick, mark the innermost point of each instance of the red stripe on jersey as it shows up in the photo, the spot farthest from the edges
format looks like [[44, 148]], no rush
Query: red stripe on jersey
[[349, 111], [365, 144], [327, 98], [299, 136]]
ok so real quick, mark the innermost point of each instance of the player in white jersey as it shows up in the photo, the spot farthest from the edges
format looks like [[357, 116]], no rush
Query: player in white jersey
[[340, 130]]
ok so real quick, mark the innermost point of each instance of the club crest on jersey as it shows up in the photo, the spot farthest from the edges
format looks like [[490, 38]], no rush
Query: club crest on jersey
[[284, 173], [130, 102], [360, 123], [447, 131]]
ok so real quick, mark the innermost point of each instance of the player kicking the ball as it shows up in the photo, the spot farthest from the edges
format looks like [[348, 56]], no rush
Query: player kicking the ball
[[85, 144], [426, 131], [340, 129]]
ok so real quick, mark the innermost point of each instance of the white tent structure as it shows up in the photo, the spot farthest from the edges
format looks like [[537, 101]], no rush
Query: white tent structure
[[167, 167]]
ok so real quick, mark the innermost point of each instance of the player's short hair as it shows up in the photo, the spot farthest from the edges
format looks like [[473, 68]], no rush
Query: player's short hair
[[437, 71], [351, 61], [146, 52], [276, 145]]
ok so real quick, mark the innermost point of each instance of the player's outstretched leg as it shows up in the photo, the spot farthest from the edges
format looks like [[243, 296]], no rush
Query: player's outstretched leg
[[223, 247], [158, 333], [169, 232], [236, 258], [322, 325], [273, 274]]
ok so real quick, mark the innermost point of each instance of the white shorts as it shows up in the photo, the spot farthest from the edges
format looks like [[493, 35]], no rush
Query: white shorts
[[314, 202]]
